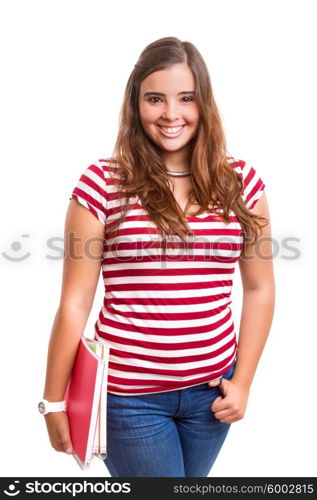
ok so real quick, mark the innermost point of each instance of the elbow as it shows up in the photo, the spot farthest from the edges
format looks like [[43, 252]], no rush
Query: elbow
[[264, 289], [69, 306]]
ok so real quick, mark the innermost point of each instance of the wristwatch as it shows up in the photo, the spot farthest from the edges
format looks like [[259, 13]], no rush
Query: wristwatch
[[46, 407]]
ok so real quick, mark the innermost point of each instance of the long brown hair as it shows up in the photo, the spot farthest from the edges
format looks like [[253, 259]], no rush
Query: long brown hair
[[142, 171]]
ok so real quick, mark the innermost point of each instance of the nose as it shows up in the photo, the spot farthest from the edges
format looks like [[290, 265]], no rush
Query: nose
[[170, 111]]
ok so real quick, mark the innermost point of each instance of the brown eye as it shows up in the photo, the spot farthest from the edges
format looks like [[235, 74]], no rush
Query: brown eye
[[153, 98]]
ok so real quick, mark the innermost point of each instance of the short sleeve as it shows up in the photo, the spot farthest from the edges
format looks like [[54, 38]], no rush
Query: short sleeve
[[91, 192], [253, 185]]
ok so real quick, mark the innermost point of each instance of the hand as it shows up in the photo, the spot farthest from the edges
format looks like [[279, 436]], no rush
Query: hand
[[232, 407], [58, 430]]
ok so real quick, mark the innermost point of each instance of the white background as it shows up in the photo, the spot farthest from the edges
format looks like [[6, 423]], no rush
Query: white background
[[64, 68]]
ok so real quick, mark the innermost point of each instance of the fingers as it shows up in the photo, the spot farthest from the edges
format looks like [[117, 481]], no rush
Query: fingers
[[226, 412], [66, 444], [229, 420], [224, 415], [62, 443], [58, 429], [231, 407], [227, 416], [64, 436], [219, 404]]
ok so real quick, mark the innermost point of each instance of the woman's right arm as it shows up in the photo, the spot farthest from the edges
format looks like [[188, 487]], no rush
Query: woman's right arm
[[83, 247]]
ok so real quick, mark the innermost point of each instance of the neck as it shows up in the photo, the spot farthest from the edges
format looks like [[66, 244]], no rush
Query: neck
[[177, 161]]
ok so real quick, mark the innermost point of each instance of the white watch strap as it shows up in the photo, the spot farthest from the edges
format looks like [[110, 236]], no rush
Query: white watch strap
[[51, 406], [55, 406]]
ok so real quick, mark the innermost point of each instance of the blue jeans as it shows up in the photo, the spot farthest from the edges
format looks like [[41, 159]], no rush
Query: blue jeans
[[167, 434]]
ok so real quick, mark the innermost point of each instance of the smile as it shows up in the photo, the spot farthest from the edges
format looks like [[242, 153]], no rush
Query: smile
[[171, 131]]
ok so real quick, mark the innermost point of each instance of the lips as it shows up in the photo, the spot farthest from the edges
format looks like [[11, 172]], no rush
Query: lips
[[177, 131]]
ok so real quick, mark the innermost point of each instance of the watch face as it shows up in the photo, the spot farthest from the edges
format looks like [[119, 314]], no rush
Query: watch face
[[41, 407]]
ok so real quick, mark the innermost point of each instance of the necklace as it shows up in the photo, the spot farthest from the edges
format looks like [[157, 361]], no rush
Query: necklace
[[179, 174]]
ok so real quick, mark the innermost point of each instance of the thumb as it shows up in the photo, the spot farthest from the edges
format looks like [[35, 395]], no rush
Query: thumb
[[215, 382], [67, 444], [214, 406]]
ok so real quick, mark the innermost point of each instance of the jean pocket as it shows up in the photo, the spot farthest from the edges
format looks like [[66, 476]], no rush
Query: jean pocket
[[229, 373]]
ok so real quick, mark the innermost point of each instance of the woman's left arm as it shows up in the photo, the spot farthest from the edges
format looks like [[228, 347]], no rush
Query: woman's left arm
[[257, 276]]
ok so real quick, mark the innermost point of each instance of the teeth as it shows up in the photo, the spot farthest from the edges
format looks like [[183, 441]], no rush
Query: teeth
[[171, 130]]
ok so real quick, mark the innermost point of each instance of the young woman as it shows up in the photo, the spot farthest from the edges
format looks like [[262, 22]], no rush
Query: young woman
[[167, 218]]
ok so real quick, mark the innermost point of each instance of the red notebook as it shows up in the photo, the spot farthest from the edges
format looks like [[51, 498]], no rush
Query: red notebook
[[86, 401]]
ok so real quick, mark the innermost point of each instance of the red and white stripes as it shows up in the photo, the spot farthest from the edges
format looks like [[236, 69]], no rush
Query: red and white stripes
[[167, 319]]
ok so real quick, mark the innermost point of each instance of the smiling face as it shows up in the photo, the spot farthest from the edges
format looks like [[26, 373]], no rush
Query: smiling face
[[168, 111]]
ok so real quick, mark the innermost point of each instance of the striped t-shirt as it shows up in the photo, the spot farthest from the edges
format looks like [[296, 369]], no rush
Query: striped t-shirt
[[167, 319]]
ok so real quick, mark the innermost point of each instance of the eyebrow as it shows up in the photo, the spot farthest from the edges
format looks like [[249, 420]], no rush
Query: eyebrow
[[164, 95]]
